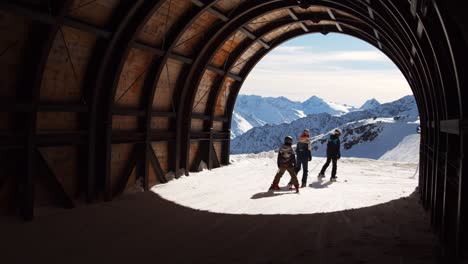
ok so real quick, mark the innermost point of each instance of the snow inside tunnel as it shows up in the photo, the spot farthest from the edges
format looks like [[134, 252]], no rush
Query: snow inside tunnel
[[242, 188]]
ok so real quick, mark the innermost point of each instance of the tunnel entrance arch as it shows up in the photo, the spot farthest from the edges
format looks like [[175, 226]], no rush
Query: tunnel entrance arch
[[102, 92]]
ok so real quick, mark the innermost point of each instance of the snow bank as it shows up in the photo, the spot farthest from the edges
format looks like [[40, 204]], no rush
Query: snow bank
[[407, 150]]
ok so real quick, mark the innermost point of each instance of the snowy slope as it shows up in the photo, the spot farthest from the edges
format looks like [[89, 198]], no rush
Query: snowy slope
[[254, 111], [406, 150], [374, 138], [242, 188]]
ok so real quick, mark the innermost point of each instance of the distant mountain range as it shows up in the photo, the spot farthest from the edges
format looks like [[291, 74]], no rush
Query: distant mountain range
[[371, 132], [253, 111]]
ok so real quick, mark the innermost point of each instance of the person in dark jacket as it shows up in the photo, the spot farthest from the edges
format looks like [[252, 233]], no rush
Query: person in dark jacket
[[286, 162], [333, 154], [304, 155]]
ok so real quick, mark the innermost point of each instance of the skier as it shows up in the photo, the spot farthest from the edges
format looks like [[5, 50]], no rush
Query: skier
[[286, 162], [333, 154], [304, 155]]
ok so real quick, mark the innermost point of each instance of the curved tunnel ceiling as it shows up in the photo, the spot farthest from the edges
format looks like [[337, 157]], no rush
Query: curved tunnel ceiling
[[98, 94]]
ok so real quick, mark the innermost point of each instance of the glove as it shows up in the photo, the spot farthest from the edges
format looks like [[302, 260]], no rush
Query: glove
[[310, 158], [339, 156]]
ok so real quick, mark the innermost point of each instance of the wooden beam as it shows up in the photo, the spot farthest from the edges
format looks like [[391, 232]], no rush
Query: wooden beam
[[180, 58], [292, 14], [135, 156], [48, 19], [215, 159], [62, 196], [223, 73], [200, 116], [218, 14], [14, 107], [153, 50], [157, 166], [99, 32], [127, 112]]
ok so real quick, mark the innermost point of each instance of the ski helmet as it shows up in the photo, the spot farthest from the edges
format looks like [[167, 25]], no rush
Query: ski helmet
[[288, 139], [337, 131], [306, 131]]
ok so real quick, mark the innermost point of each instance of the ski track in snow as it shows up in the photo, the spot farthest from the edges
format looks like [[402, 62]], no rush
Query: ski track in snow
[[242, 188]]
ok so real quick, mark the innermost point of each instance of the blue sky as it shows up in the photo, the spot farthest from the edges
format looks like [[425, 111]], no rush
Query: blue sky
[[335, 67]]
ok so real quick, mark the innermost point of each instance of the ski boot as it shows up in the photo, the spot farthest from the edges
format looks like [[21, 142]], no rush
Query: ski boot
[[321, 176], [297, 188], [303, 185], [333, 179], [274, 187]]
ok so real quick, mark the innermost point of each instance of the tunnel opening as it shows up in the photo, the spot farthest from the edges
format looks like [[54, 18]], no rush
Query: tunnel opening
[[282, 101]]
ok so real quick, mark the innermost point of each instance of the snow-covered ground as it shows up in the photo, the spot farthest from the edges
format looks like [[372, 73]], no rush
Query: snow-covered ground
[[242, 188]]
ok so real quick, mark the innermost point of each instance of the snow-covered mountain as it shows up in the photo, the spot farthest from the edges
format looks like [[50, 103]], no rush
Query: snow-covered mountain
[[367, 133], [370, 104], [254, 111], [380, 138]]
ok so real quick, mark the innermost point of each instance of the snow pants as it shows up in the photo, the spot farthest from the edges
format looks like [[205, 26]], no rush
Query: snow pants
[[280, 173], [304, 162], [325, 166]]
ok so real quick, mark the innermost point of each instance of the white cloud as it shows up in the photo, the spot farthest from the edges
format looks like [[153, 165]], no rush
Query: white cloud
[[342, 86], [298, 72]]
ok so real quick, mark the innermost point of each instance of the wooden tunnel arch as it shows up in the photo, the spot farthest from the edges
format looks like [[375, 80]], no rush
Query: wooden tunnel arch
[[97, 95]]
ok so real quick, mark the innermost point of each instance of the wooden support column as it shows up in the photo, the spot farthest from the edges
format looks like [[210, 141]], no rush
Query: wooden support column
[[44, 35]]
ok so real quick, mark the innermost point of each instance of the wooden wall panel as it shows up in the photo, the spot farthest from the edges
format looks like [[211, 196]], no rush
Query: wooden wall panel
[[280, 31], [120, 155], [132, 183], [63, 161], [14, 32], [124, 123], [97, 13], [309, 10], [195, 34], [264, 20], [218, 148], [197, 125], [228, 6], [240, 64], [203, 91], [155, 30], [66, 66], [160, 123], [163, 97], [194, 146], [218, 126], [129, 89], [225, 52], [152, 178], [223, 97], [161, 149]]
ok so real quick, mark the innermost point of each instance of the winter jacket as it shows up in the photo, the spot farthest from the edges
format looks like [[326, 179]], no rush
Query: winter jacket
[[333, 147], [286, 157], [304, 148]]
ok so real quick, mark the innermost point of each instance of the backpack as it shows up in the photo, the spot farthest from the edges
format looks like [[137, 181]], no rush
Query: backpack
[[285, 155]]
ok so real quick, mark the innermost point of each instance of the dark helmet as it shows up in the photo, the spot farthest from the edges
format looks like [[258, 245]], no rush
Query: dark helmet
[[288, 140]]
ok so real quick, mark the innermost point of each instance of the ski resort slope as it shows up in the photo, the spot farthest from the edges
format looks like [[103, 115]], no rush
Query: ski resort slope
[[242, 188]]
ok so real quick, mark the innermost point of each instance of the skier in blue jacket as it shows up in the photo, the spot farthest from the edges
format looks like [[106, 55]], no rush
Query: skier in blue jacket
[[304, 155], [333, 154]]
